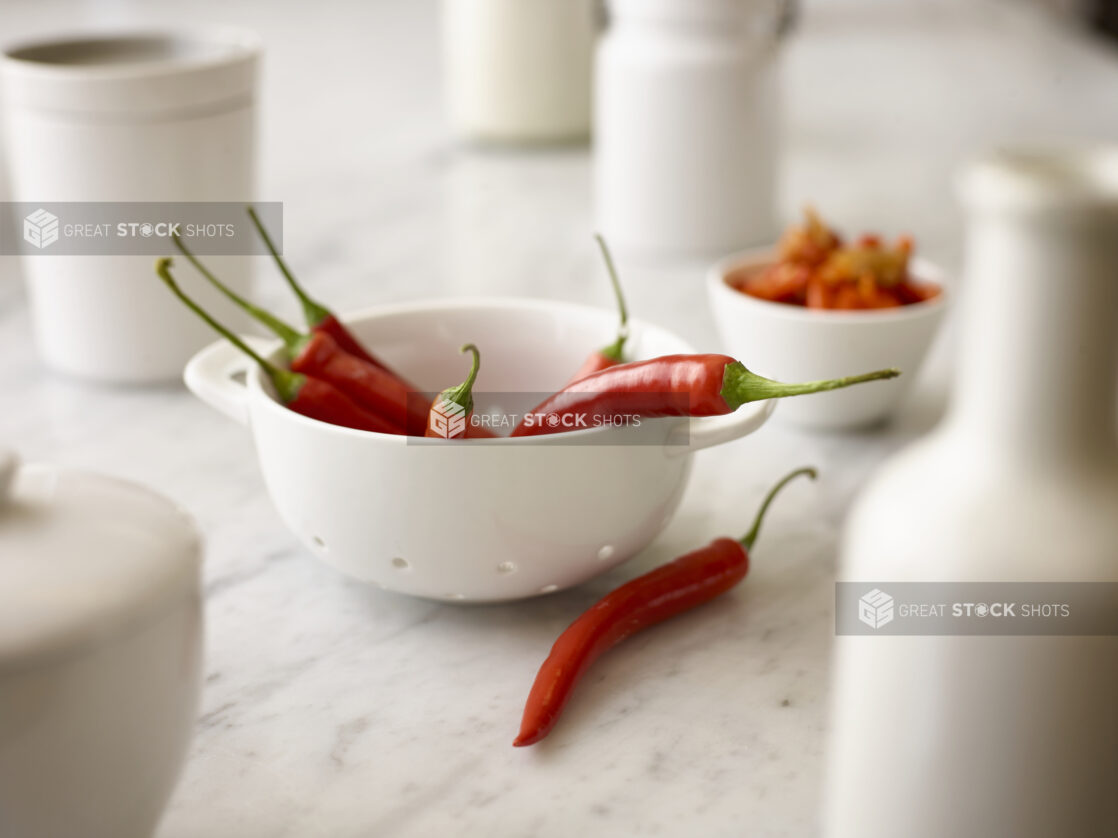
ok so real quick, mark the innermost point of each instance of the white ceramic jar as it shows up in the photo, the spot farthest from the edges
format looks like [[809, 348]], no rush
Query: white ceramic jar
[[686, 108], [100, 653], [518, 71], [135, 116], [999, 736]]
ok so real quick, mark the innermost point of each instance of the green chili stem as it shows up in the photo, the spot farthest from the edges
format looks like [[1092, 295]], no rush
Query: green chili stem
[[615, 351], [314, 312], [751, 536], [292, 338], [287, 383], [739, 385], [463, 394]]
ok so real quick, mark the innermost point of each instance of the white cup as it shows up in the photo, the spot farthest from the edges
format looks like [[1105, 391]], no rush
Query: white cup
[[136, 116]]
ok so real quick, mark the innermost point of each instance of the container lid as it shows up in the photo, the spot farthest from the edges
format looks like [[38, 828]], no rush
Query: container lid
[[134, 74], [84, 558]]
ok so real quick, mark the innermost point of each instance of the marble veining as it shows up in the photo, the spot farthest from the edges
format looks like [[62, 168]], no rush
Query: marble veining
[[337, 710]]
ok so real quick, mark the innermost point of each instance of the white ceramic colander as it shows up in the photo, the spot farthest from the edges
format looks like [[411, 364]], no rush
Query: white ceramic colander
[[470, 520]]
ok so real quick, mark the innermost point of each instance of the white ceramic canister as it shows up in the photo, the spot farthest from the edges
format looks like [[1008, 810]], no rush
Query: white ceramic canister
[[100, 652], [143, 116], [519, 71], [686, 134], [975, 737]]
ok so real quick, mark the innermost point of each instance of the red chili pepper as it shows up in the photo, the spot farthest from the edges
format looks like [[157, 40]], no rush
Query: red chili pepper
[[373, 387], [450, 413], [670, 589], [672, 385], [318, 317], [614, 354], [304, 394], [318, 354]]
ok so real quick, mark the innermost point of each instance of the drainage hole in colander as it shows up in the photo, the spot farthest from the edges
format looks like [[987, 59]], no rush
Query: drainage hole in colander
[[400, 564], [547, 589], [506, 567], [606, 552]]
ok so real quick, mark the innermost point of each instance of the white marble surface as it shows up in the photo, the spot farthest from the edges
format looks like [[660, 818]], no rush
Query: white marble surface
[[335, 710]]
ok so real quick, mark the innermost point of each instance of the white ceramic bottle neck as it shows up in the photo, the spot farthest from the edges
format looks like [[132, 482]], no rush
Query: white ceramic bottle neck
[[1038, 366]]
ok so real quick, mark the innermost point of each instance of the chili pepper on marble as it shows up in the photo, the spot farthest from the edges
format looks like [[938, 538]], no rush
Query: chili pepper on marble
[[690, 580]]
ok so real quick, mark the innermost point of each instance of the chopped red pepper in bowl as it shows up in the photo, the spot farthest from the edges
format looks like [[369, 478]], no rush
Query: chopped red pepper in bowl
[[814, 307], [815, 268]]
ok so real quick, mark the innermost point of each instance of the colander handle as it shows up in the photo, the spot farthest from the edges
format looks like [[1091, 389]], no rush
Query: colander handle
[[696, 434], [217, 374]]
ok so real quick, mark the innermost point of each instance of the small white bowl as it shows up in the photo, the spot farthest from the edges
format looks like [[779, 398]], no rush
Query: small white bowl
[[793, 343], [472, 520]]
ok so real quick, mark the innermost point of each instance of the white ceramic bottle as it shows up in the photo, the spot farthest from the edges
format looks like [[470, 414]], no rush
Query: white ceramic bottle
[[685, 125], [518, 71], [984, 737]]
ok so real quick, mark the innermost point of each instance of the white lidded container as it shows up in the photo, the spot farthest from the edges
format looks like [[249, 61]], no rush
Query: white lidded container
[[100, 652], [999, 736], [133, 116], [519, 71], [686, 133]]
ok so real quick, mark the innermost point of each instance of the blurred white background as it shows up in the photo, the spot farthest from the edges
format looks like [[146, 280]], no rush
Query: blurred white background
[[884, 98]]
